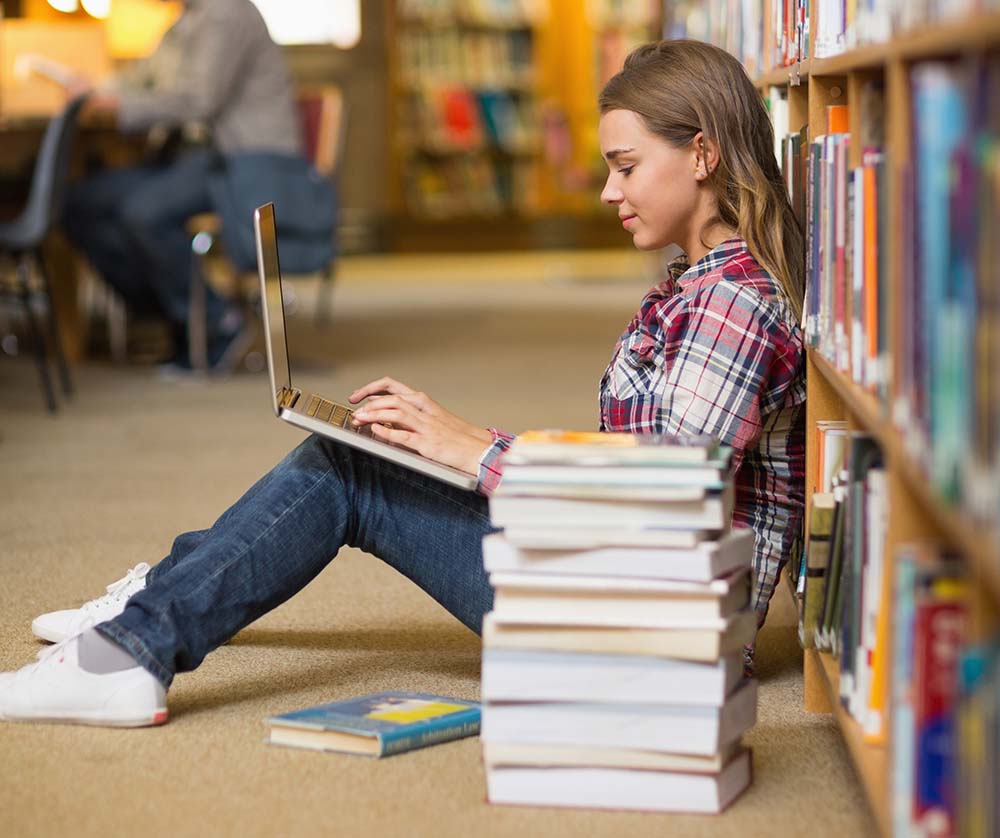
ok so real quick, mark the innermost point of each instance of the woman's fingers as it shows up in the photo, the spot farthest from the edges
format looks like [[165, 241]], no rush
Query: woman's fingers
[[379, 387], [386, 416]]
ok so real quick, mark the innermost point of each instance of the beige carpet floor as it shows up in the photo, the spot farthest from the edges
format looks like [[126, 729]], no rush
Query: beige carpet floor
[[134, 460]]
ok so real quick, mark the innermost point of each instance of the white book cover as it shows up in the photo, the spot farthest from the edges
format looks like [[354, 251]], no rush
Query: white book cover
[[680, 729], [572, 756], [711, 512], [702, 640], [510, 675], [598, 491], [620, 788], [701, 563], [547, 536], [711, 473], [611, 601]]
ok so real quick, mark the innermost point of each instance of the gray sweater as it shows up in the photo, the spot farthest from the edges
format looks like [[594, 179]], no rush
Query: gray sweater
[[216, 68]]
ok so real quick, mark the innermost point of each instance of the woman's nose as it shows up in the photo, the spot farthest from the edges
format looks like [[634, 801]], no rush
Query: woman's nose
[[611, 194]]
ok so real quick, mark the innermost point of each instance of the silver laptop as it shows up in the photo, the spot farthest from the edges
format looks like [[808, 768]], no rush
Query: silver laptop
[[307, 410]]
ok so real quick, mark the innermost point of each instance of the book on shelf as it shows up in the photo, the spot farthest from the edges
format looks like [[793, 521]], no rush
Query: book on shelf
[[712, 512], [831, 440], [828, 629], [700, 641], [863, 455], [978, 739], [377, 725], [680, 729], [612, 448], [519, 675], [701, 563], [620, 788], [817, 560], [931, 612], [940, 616], [541, 599]]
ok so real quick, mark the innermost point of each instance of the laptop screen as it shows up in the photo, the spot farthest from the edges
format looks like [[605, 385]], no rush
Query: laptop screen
[[271, 302]]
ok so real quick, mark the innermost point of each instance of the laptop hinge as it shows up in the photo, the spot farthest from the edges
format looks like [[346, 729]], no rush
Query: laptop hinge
[[287, 397]]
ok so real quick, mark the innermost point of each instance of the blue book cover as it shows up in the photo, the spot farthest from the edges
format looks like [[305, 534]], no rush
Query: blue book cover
[[379, 724]]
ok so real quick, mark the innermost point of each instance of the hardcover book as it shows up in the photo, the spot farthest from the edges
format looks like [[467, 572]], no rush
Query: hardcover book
[[620, 788], [544, 599], [511, 675], [675, 729], [700, 641], [377, 725], [703, 563], [612, 448]]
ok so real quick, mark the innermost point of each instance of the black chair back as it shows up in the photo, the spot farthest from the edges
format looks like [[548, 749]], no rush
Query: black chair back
[[49, 181]]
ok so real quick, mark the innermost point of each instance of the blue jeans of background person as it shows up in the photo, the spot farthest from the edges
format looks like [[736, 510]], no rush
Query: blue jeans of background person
[[130, 222], [276, 538]]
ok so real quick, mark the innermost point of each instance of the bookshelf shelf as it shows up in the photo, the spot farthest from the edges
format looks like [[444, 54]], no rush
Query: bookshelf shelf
[[978, 32], [870, 761], [979, 546], [858, 140], [859, 402]]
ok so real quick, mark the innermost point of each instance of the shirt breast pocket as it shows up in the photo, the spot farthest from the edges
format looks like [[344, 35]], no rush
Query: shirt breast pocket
[[638, 366]]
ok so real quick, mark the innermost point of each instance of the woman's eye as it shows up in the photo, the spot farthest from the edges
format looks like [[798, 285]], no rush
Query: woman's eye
[[626, 170]]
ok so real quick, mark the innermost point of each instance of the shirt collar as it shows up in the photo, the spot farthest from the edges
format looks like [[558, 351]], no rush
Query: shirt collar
[[683, 274]]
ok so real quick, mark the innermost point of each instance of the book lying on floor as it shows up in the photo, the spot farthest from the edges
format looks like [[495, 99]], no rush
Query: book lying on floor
[[620, 788], [702, 563], [513, 675], [611, 448], [699, 642], [675, 729], [377, 725], [544, 599], [577, 756]]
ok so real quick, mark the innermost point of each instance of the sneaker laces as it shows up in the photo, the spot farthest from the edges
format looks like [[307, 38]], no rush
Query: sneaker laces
[[118, 589], [43, 657]]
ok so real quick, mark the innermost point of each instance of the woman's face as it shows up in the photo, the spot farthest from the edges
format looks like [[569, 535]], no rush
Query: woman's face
[[654, 185]]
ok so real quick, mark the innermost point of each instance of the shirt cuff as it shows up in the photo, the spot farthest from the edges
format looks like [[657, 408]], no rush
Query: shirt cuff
[[491, 463]]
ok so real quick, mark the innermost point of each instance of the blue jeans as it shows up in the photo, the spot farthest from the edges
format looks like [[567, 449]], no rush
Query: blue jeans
[[276, 538], [131, 221]]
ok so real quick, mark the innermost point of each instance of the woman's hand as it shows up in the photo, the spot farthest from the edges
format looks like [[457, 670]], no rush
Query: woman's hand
[[402, 416]]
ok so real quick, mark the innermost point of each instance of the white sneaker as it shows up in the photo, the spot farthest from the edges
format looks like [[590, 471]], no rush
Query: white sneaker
[[56, 626], [56, 689]]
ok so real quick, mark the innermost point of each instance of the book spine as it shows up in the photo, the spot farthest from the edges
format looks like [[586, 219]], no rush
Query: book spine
[[441, 730], [939, 624]]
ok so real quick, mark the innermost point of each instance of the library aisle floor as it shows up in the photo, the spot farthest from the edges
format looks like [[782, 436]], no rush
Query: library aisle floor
[[134, 460]]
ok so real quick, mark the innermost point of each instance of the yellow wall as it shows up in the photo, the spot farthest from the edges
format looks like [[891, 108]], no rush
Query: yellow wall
[[133, 28]]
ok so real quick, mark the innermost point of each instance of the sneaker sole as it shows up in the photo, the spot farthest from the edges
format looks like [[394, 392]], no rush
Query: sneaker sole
[[43, 634], [95, 719]]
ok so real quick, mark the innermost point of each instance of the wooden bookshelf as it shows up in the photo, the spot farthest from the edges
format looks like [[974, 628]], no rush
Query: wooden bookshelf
[[870, 761], [525, 76], [917, 511]]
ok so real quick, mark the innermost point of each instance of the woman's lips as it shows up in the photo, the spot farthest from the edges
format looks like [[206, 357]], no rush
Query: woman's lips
[[626, 220]]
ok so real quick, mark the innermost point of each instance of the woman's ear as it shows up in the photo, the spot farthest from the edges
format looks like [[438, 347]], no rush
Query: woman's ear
[[706, 155]]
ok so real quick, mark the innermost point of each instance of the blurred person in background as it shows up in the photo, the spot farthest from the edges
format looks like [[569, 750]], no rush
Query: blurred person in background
[[216, 86]]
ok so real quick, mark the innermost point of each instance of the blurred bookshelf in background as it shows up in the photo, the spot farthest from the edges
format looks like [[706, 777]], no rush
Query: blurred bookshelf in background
[[494, 114]]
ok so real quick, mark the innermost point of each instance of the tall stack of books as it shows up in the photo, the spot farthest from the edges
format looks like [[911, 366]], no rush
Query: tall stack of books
[[612, 661]]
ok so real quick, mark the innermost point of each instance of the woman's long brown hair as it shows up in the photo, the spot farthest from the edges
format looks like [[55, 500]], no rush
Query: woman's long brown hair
[[682, 87]]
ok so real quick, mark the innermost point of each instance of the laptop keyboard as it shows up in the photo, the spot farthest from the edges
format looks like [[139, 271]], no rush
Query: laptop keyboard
[[334, 414]]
